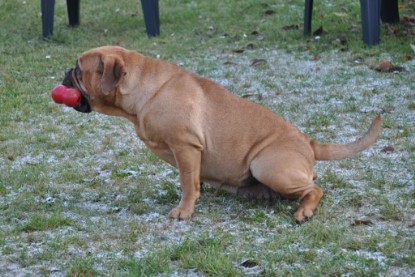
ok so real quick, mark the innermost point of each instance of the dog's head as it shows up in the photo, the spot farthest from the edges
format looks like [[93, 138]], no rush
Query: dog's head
[[97, 75]]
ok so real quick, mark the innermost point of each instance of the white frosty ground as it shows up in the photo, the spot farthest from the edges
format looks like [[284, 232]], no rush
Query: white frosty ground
[[294, 86]]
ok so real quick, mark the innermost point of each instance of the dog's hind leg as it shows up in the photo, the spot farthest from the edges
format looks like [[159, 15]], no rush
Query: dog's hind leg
[[290, 174], [188, 161]]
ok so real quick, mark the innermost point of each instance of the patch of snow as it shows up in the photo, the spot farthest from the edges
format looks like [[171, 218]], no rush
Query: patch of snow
[[377, 256]]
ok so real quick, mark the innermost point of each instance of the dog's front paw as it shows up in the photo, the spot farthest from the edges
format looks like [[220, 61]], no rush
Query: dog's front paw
[[303, 214], [180, 213]]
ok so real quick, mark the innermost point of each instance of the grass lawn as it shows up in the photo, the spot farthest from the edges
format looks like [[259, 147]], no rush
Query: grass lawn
[[80, 195]]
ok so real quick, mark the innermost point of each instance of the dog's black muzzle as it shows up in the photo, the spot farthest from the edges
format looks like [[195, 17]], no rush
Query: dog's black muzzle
[[71, 81]]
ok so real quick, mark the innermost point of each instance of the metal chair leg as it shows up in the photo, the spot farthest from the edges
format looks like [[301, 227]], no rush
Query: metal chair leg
[[151, 17], [73, 7], [308, 13], [370, 12], [48, 11], [389, 11]]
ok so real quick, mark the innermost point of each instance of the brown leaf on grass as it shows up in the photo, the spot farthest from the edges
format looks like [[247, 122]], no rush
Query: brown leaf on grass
[[290, 27], [388, 149], [362, 222], [269, 12], [408, 19], [407, 58], [239, 51], [249, 263], [319, 32], [388, 67], [258, 35], [257, 62], [250, 46], [253, 96], [248, 95]]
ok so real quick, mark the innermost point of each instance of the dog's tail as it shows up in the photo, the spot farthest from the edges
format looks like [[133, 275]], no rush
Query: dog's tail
[[332, 151]]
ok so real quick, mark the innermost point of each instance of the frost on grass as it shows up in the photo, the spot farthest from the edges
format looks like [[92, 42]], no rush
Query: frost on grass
[[107, 171]]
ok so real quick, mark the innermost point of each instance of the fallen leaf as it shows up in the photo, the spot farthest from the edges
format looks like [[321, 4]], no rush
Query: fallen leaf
[[319, 32], [269, 12], [408, 19], [407, 58], [388, 149], [362, 222], [249, 263], [257, 62], [258, 35], [388, 67], [239, 51], [384, 66], [248, 95], [290, 27], [250, 46]]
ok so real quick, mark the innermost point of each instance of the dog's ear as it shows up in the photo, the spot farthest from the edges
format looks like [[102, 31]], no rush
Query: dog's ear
[[113, 70]]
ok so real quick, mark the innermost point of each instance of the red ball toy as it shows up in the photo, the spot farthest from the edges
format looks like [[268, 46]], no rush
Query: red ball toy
[[71, 97], [57, 93], [64, 95]]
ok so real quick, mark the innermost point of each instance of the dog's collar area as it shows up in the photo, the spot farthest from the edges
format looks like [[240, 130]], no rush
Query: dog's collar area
[[71, 80]]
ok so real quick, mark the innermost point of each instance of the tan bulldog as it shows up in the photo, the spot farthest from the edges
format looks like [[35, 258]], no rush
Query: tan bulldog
[[199, 127]]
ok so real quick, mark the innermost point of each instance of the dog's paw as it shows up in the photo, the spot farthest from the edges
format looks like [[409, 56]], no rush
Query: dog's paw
[[302, 215], [180, 213]]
